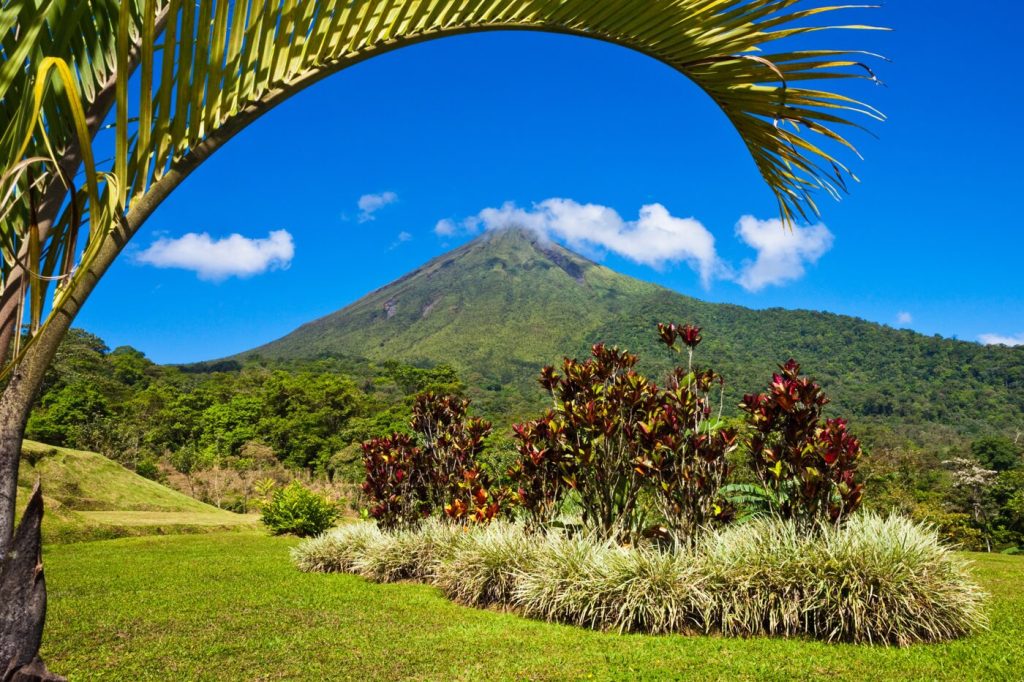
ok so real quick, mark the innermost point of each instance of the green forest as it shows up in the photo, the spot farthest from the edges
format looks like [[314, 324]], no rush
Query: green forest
[[219, 430]]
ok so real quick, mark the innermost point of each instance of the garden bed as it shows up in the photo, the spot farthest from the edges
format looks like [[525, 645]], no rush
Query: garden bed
[[874, 580]]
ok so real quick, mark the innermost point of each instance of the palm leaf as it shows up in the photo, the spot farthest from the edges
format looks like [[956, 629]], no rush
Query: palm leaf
[[223, 63]]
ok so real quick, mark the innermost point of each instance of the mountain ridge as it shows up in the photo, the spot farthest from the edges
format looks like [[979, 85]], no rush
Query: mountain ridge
[[508, 302]]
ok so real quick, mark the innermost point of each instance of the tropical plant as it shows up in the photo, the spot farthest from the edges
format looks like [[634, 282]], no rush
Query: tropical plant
[[409, 478], [452, 442], [809, 463], [65, 67], [395, 481], [688, 446], [613, 435], [297, 510], [592, 440]]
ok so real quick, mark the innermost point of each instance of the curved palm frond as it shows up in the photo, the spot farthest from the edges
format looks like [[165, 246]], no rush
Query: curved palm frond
[[207, 68]]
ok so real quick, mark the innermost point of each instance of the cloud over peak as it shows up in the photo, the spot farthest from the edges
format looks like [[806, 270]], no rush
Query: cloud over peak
[[658, 239], [217, 259]]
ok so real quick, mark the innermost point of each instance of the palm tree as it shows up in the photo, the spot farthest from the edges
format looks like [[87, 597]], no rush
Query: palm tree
[[205, 69]]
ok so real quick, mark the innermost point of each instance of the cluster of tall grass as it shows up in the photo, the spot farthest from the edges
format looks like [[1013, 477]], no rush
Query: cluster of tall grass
[[872, 580]]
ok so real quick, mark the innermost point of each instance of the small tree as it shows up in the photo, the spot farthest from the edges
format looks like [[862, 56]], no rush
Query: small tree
[[972, 488], [808, 463], [188, 460]]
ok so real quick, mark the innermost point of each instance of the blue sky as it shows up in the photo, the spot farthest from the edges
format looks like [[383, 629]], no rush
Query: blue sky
[[931, 239]]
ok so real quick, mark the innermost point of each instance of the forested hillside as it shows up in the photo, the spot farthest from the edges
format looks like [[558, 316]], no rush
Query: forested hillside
[[501, 306], [934, 413]]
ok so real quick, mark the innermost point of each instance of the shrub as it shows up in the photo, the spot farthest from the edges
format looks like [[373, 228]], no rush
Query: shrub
[[592, 441], [688, 451], [395, 481], [613, 434], [408, 479], [296, 510], [147, 468], [808, 464]]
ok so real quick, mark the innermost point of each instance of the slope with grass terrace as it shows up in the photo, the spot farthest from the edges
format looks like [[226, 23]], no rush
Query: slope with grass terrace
[[90, 497]]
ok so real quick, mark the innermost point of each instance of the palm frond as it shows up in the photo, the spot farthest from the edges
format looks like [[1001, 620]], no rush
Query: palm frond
[[223, 63]]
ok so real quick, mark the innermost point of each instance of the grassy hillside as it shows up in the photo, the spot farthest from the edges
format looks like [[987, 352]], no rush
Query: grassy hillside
[[194, 614], [88, 496], [503, 305]]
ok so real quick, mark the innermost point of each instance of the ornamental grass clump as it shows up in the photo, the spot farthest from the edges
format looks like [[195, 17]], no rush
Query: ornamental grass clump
[[408, 555], [585, 581], [757, 572], [562, 583], [484, 568], [335, 551], [873, 580], [889, 580], [645, 589], [430, 547]]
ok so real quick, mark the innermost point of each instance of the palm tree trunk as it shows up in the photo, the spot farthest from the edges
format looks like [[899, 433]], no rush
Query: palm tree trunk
[[15, 403]]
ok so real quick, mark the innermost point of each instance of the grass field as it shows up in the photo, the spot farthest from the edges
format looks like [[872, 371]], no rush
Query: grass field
[[232, 607], [90, 497]]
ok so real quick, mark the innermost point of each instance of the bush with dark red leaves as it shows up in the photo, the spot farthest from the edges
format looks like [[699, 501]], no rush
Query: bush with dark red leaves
[[807, 461]]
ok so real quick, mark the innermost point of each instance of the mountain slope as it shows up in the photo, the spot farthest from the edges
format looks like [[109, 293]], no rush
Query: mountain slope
[[496, 309], [503, 305]]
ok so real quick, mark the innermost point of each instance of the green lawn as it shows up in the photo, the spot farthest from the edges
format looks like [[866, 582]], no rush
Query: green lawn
[[231, 607]]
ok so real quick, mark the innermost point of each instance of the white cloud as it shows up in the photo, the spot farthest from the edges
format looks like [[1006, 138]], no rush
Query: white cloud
[[782, 254], [903, 317], [1000, 340], [656, 238], [445, 228], [449, 228], [402, 238], [371, 203], [217, 259]]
